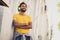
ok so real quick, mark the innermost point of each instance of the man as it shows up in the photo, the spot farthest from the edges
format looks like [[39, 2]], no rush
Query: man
[[22, 23]]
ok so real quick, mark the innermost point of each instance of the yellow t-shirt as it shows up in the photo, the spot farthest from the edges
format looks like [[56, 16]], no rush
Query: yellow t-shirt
[[22, 19]]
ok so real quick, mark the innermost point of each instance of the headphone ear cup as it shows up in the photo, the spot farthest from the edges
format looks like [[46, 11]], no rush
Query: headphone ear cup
[[18, 8]]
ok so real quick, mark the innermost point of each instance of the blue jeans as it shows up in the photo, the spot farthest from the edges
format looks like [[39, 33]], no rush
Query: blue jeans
[[19, 36]]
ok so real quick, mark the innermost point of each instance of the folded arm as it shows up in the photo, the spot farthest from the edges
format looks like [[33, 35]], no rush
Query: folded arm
[[23, 26]]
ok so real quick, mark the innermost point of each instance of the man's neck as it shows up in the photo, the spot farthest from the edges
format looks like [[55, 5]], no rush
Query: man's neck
[[21, 13]]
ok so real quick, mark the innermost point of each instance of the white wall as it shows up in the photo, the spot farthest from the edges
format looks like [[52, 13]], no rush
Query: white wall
[[35, 10], [39, 18], [53, 16], [6, 21]]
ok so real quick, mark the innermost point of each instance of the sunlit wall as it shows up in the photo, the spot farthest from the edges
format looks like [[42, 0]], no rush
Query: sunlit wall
[[53, 11]]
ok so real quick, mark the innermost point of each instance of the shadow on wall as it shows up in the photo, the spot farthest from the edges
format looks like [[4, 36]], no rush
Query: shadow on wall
[[2, 3]]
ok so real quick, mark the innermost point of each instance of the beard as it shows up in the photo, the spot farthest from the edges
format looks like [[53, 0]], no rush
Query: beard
[[23, 10]]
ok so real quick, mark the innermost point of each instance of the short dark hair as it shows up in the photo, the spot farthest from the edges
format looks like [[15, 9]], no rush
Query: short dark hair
[[22, 3]]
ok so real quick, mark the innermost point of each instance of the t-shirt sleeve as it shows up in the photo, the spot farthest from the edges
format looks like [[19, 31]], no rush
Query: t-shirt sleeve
[[14, 17]]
